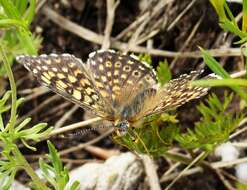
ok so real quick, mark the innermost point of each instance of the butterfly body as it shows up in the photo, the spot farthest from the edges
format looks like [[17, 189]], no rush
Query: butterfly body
[[116, 87]]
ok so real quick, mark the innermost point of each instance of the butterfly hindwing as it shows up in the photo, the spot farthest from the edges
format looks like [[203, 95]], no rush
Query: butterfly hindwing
[[173, 94]]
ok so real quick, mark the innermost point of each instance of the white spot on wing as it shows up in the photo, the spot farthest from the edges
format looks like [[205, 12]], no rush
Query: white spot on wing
[[53, 55], [92, 54], [43, 55]]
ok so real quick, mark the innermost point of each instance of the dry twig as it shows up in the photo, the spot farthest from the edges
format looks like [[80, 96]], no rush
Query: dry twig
[[98, 39], [150, 169], [65, 117], [111, 7]]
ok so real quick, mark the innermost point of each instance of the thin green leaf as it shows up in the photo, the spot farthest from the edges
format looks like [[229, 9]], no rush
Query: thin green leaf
[[27, 145], [213, 64], [22, 124], [230, 27], [218, 69], [75, 185], [163, 72], [229, 13], [54, 158], [5, 23], [219, 8], [31, 11], [244, 20], [221, 82], [5, 98], [21, 6], [10, 9]]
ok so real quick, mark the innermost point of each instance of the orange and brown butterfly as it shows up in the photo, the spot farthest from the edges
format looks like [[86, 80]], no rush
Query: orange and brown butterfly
[[117, 87]]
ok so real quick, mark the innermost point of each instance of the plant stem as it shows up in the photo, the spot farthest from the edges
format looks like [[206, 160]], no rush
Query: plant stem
[[25, 165], [12, 120]]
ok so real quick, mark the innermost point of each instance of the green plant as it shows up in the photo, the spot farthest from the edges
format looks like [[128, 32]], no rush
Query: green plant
[[214, 127], [226, 80], [162, 132], [12, 159], [227, 20], [163, 71], [15, 19], [56, 175], [241, 186]]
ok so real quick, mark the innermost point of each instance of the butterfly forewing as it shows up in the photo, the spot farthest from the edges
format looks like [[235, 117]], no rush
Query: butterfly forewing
[[120, 77], [67, 75]]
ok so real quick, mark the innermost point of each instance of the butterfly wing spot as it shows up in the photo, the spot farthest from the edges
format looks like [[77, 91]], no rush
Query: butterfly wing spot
[[116, 88], [46, 75], [130, 62], [43, 56], [141, 68], [148, 78], [92, 54], [62, 84], [101, 67], [116, 81], [57, 60], [136, 73], [39, 68], [89, 90], [130, 82], [54, 69], [52, 74], [45, 67], [53, 55], [61, 76], [93, 62], [65, 69], [100, 59], [77, 94], [116, 72], [109, 74], [72, 79], [123, 76], [45, 80], [108, 64], [95, 97], [35, 71], [118, 64], [127, 68], [99, 84], [47, 61], [87, 99], [103, 78]]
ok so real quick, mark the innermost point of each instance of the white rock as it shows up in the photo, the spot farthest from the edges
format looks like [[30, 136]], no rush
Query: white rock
[[14, 186], [118, 172], [87, 175], [18, 186], [241, 172], [227, 152]]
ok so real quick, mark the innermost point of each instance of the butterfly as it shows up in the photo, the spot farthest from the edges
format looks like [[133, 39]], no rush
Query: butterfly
[[116, 87]]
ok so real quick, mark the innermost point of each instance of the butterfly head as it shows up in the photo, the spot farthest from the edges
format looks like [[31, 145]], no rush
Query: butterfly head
[[122, 127]]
